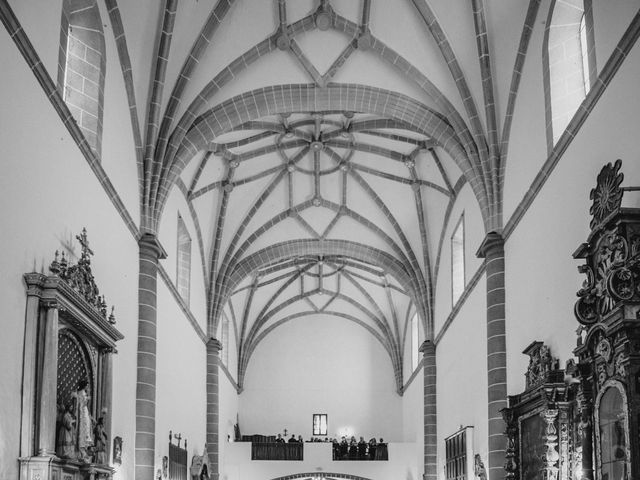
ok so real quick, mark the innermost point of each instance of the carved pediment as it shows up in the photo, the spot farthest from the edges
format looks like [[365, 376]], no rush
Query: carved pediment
[[541, 364], [80, 277]]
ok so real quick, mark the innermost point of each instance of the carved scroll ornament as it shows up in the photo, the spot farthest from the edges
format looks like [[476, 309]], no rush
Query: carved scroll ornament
[[614, 277]]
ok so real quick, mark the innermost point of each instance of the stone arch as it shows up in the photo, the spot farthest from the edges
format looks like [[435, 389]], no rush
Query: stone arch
[[327, 248], [321, 475], [293, 98]]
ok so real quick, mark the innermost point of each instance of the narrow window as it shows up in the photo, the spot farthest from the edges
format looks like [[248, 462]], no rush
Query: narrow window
[[183, 256], [82, 66], [568, 63], [225, 340], [584, 52], [319, 423], [457, 261], [414, 342]]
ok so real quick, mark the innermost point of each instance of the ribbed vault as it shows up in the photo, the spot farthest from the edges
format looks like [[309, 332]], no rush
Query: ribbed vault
[[319, 212], [326, 188]]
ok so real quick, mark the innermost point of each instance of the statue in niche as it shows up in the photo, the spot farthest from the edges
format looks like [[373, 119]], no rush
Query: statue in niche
[[84, 431], [66, 447], [479, 469], [100, 442]]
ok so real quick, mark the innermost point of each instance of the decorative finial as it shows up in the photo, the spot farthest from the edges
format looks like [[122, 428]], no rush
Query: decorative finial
[[55, 265], [84, 242], [112, 317]]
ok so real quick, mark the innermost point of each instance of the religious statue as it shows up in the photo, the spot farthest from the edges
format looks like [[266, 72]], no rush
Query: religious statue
[[479, 469], [66, 434], [80, 400], [100, 442]]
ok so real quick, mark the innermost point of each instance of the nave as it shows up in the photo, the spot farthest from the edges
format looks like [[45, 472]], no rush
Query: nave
[[412, 221]]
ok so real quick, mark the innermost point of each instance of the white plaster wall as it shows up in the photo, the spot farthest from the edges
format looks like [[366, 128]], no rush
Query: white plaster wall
[[317, 458], [118, 146], [228, 416], [461, 358], [321, 364], [181, 397], [527, 143], [48, 194], [473, 235], [541, 275], [168, 236]]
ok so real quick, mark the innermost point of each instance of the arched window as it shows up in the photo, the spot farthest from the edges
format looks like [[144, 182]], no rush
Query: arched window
[[568, 62], [584, 53], [612, 429], [225, 340], [81, 67], [183, 261], [415, 358], [457, 261]]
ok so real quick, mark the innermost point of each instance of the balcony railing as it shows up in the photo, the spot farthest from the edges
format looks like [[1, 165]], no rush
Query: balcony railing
[[277, 451]]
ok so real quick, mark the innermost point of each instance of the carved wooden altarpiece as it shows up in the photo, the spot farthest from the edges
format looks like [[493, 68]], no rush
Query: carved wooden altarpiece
[[69, 340], [541, 438], [608, 309]]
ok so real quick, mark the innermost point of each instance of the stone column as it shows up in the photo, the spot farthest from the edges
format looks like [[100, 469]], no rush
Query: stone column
[[106, 361], [34, 291], [150, 252], [492, 250], [213, 406], [49, 380], [428, 350]]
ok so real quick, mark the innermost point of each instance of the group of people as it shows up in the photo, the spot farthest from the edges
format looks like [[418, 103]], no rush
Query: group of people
[[344, 449], [359, 450], [293, 439]]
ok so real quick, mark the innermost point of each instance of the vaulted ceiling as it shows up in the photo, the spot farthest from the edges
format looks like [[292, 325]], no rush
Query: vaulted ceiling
[[320, 147]]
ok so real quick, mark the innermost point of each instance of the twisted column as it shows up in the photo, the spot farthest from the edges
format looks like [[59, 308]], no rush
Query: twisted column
[[213, 406], [492, 250], [428, 350], [150, 252]]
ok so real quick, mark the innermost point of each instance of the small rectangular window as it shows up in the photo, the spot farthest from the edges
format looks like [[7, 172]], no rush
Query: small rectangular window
[[183, 276], [457, 261], [319, 423]]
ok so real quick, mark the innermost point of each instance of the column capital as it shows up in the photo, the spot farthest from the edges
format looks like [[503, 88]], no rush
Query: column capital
[[34, 282], [149, 243], [492, 241], [427, 348], [214, 345]]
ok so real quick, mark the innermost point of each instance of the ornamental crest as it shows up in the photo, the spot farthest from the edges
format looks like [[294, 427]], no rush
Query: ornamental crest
[[540, 364], [607, 194], [80, 278]]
